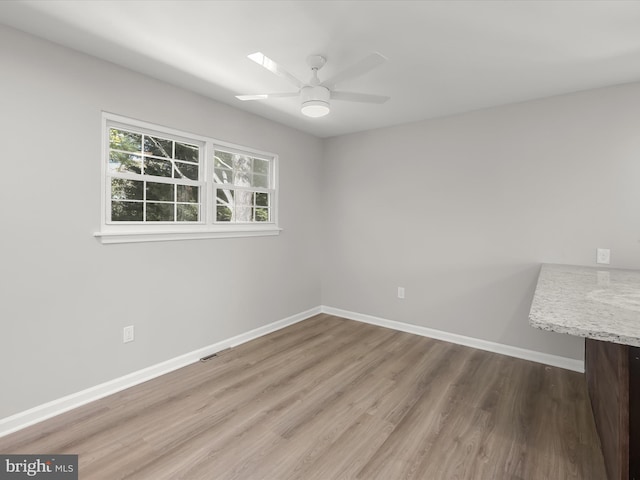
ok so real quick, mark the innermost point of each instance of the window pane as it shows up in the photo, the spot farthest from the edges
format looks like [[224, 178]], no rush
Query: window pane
[[262, 199], [185, 170], [188, 193], [224, 196], [187, 213], [158, 146], [124, 162], [224, 205], [262, 214], [160, 191], [123, 140], [126, 211], [223, 176], [261, 166], [242, 170], [187, 152], [243, 206], [223, 160], [260, 181], [159, 212], [126, 189], [157, 168], [223, 214]]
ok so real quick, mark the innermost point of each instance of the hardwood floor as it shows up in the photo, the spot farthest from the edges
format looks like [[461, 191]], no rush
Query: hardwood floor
[[330, 398]]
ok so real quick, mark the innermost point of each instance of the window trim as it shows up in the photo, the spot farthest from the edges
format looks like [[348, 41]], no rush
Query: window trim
[[206, 227]]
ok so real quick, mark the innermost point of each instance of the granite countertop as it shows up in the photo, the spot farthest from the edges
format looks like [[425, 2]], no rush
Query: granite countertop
[[598, 303]]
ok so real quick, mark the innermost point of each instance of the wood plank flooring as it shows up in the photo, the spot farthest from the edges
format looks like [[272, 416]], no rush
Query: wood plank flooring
[[330, 398]]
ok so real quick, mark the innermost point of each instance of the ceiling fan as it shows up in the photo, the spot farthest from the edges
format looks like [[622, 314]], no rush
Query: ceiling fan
[[315, 95]]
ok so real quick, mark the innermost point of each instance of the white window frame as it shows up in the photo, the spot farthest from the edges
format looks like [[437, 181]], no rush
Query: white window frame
[[207, 227]]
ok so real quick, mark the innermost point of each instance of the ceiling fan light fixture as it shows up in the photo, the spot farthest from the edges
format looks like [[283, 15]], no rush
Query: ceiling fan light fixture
[[315, 101], [315, 108]]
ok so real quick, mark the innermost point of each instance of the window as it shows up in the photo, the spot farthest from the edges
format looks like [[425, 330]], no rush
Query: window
[[162, 184]]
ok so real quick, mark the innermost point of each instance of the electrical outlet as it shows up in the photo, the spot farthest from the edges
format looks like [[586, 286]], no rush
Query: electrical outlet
[[400, 292], [127, 334], [603, 256]]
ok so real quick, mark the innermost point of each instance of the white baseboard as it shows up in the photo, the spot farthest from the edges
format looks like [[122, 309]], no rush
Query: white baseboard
[[545, 358], [51, 409]]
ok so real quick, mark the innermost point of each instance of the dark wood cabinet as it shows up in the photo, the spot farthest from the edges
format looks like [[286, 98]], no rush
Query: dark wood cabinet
[[634, 413], [613, 381]]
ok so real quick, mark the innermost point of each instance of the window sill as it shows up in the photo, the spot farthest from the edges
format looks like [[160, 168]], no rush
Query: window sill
[[131, 236]]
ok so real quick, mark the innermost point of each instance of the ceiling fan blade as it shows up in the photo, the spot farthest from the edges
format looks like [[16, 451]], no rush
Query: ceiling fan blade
[[359, 97], [273, 67], [360, 68], [266, 96]]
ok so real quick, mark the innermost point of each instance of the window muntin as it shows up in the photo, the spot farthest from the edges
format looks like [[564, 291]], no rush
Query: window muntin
[[163, 184]]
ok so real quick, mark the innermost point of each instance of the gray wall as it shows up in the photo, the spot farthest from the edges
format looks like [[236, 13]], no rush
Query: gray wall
[[64, 297], [462, 210]]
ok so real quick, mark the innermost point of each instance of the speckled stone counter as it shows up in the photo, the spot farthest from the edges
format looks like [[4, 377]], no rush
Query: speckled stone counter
[[598, 303], [602, 305]]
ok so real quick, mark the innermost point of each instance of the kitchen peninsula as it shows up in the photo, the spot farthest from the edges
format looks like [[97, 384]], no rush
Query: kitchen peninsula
[[603, 306]]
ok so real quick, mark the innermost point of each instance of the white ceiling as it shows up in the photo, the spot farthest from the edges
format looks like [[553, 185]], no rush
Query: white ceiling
[[445, 57]]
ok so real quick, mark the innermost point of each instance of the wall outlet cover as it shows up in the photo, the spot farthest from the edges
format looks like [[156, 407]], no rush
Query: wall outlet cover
[[127, 334], [603, 256]]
